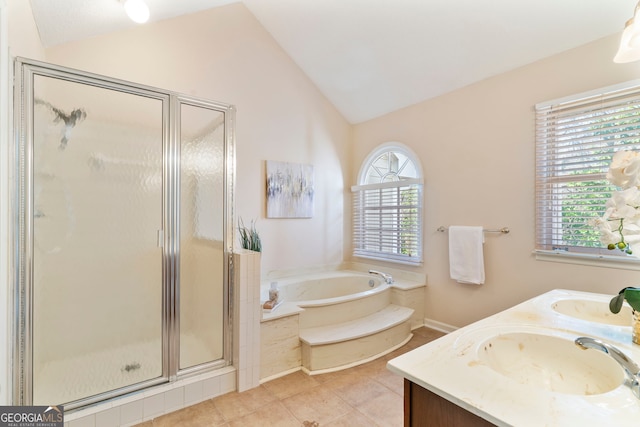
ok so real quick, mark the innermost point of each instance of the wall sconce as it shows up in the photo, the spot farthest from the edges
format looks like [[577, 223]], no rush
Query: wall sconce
[[137, 10], [630, 42]]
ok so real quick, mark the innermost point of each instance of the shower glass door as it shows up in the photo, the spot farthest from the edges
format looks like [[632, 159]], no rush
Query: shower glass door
[[123, 236], [97, 182]]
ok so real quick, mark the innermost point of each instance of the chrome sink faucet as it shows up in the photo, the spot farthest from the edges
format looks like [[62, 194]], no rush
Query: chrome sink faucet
[[631, 370], [386, 276]]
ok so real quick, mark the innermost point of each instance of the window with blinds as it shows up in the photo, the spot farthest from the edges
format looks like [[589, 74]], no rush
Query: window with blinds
[[387, 207], [387, 220], [575, 140]]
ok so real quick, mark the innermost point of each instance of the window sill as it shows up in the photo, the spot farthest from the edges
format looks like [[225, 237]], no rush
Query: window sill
[[593, 260], [390, 260]]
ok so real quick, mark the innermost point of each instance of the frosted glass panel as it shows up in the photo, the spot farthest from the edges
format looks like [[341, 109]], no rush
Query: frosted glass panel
[[97, 267], [201, 235]]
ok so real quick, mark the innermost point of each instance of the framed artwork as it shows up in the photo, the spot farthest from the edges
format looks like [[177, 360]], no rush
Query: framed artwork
[[289, 190]]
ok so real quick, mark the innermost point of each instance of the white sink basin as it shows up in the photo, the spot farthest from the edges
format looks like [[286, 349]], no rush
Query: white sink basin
[[551, 362], [593, 311]]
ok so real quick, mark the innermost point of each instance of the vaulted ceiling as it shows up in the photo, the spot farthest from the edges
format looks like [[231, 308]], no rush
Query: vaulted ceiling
[[371, 57]]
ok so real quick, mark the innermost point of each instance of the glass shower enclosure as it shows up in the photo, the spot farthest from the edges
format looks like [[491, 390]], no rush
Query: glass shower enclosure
[[122, 236]]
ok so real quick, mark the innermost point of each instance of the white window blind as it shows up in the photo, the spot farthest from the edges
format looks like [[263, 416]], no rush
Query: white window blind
[[387, 221], [575, 141]]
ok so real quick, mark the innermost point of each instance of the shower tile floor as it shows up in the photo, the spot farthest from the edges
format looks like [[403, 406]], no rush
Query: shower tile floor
[[366, 395], [89, 374]]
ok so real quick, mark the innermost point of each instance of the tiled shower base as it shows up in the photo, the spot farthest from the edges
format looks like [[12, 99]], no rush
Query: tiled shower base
[[89, 374], [151, 403]]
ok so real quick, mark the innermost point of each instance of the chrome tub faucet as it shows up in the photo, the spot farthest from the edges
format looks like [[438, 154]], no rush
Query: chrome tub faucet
[[385, 276], [631, 370]]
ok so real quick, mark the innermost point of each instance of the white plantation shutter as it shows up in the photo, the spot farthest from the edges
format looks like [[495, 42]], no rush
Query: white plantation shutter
[[575, 141], [387, 221]]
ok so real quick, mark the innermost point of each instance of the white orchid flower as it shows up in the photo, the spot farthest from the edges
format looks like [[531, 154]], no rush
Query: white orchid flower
[[624, 170], [619, 227]]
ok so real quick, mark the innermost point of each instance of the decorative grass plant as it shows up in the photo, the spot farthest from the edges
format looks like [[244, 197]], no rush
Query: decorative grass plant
[[249, 237]]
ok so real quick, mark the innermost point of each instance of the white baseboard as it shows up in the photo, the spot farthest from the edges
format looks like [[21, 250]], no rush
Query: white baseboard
[[439, 326]]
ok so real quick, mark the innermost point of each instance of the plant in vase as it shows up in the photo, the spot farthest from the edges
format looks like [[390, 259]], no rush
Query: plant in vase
[[619, 227], [632, 296]]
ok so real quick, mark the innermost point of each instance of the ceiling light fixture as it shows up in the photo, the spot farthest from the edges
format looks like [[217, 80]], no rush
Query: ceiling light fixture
[[137, 10], [630, 42]]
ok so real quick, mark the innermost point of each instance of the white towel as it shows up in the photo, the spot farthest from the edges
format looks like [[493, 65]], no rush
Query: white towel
[[466, 259]]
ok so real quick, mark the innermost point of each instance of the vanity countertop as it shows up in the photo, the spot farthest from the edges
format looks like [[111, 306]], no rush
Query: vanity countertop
[[452, 368]]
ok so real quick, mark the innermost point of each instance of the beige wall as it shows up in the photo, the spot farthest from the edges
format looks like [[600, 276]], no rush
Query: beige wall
[[24, 39], [224, 54], [476, 146]]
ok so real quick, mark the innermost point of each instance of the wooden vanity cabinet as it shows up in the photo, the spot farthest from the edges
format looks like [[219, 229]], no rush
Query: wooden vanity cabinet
[[423, 408]]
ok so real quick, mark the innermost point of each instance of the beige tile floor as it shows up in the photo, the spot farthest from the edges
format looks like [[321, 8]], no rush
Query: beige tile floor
[[365, 395]]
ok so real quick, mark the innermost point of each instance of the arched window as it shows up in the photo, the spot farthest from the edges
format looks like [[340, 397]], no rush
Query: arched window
[[387, 206]]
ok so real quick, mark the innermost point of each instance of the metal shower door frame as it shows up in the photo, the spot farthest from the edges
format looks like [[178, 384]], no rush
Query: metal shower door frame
[[22, 229]]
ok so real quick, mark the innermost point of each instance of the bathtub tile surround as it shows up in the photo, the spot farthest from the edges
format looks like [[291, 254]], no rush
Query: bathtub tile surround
[[413, 298], [554, 383], [334, 318], [280, 346]]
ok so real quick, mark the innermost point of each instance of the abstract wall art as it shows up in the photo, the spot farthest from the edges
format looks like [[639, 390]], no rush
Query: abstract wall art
[[289, 190]]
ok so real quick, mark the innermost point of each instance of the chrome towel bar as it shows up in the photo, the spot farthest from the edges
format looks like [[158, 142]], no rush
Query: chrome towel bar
[[503, 230]]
